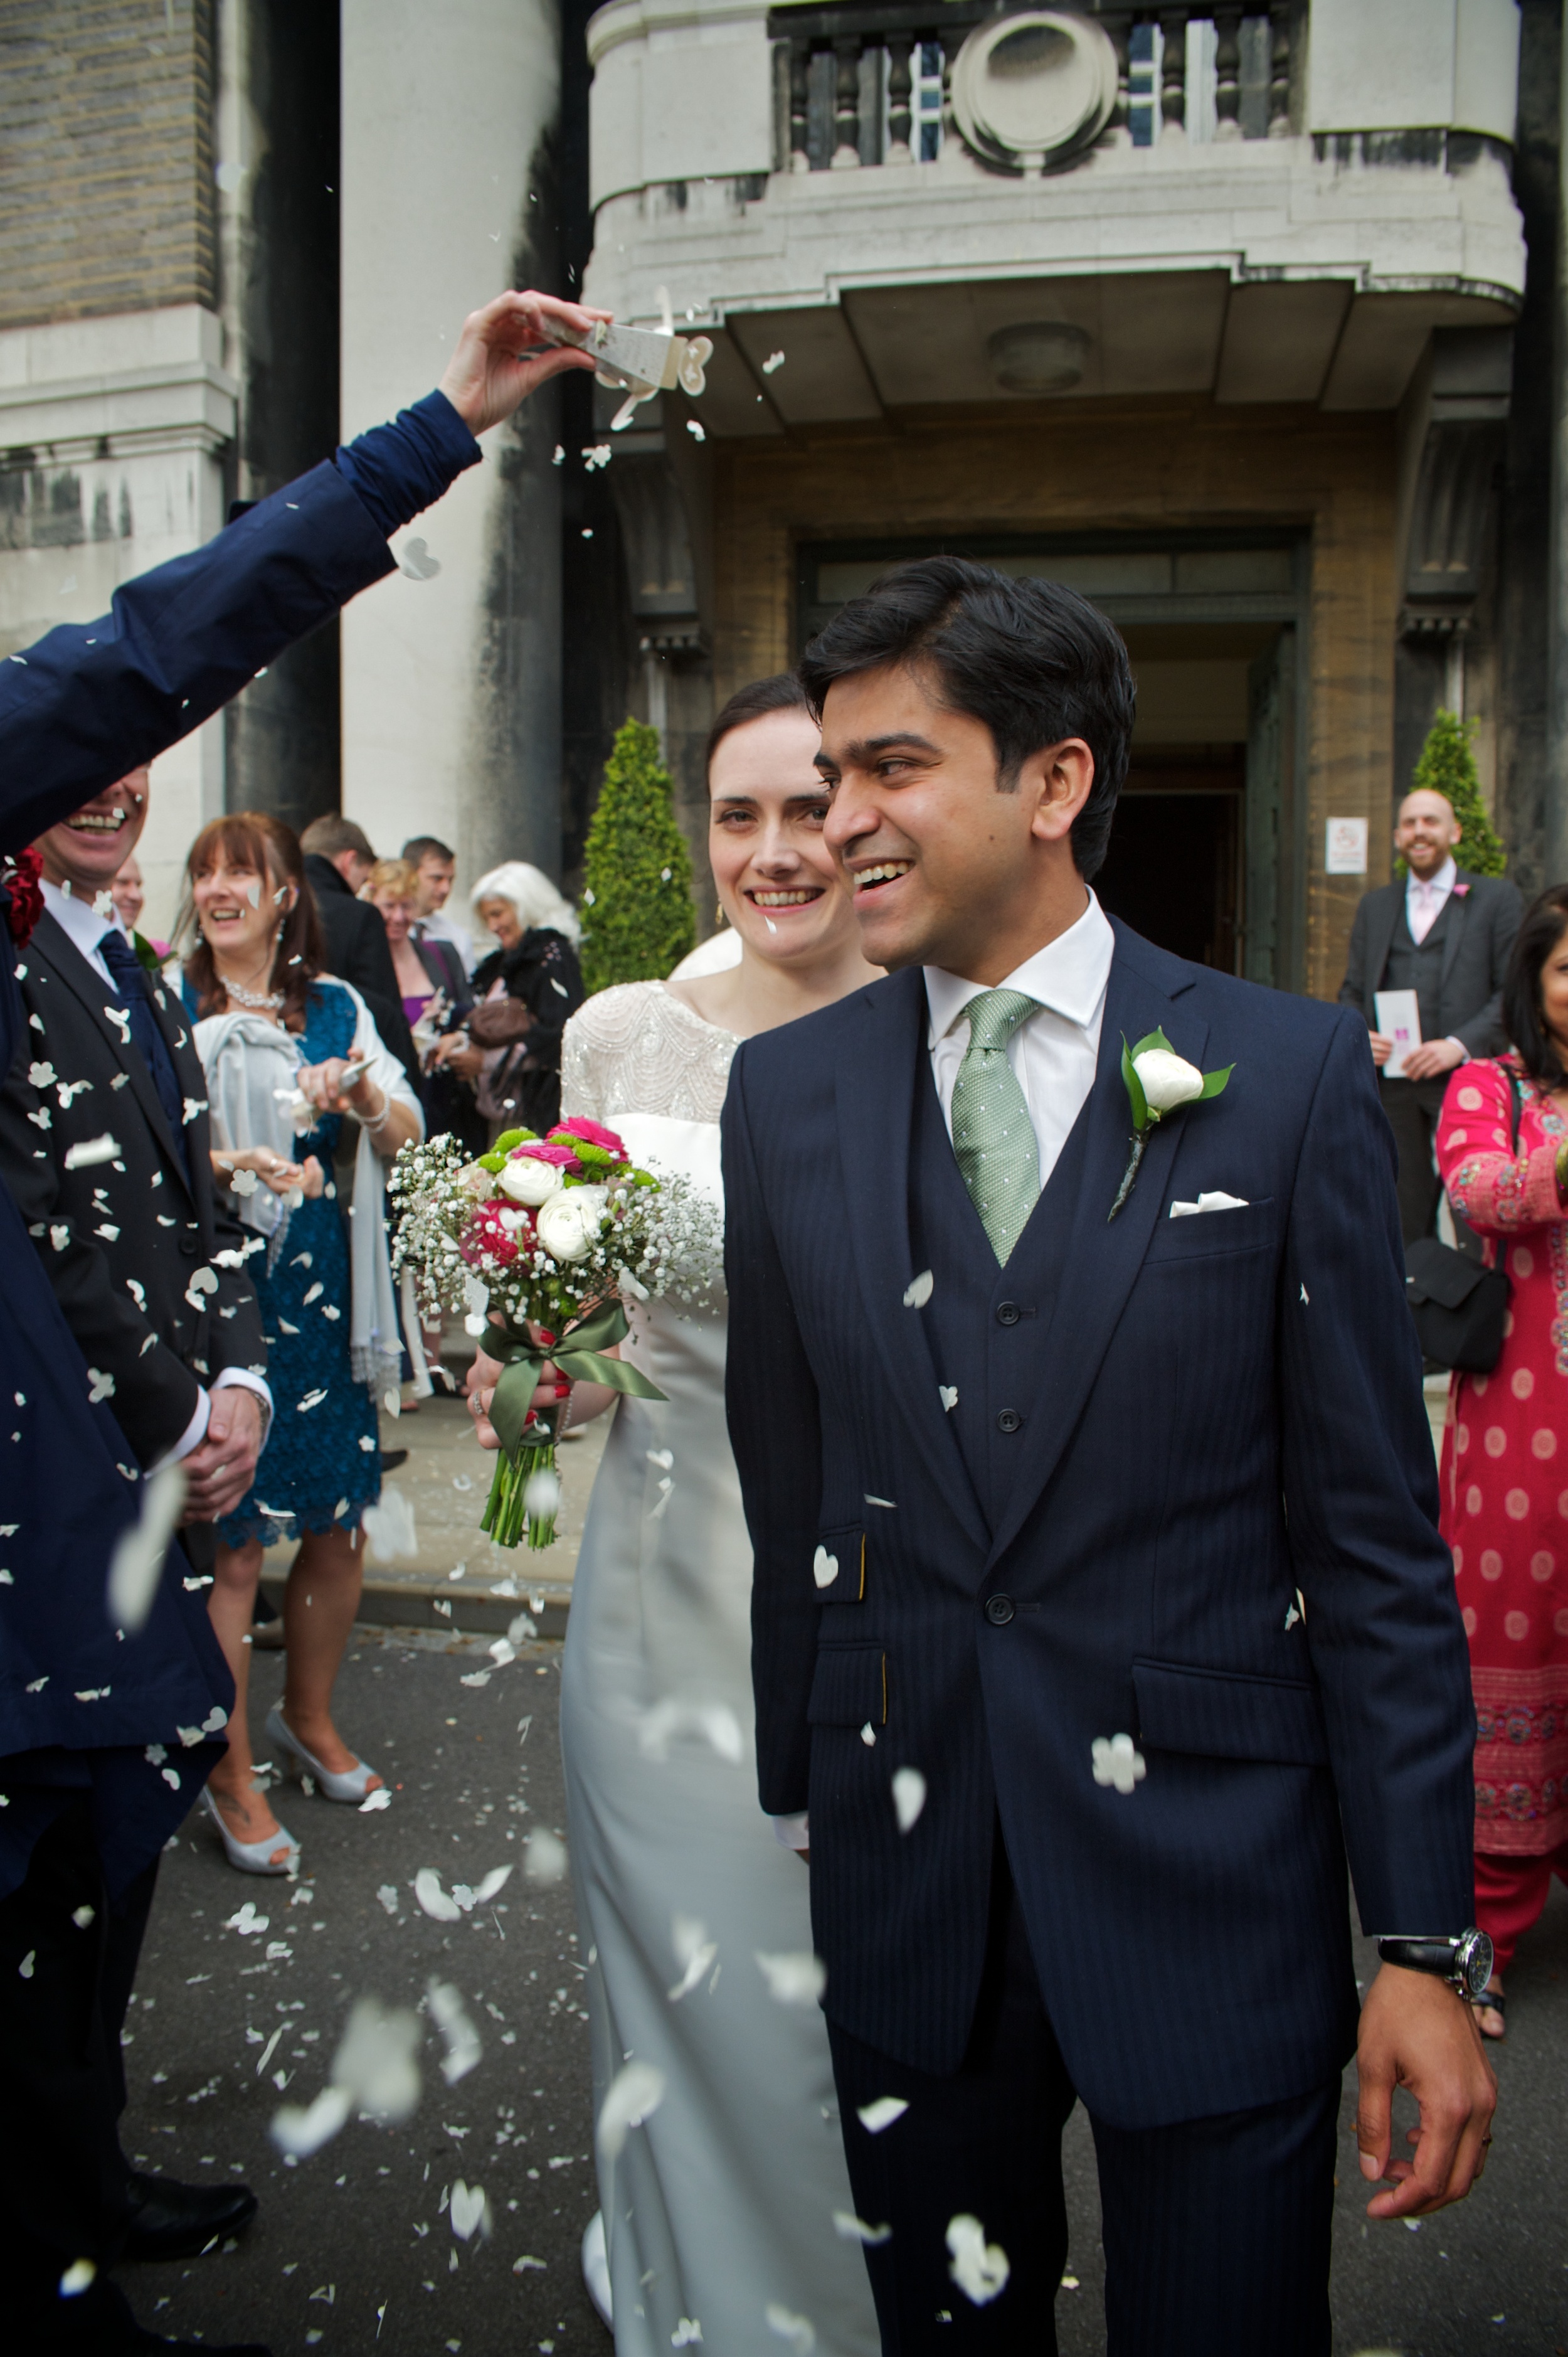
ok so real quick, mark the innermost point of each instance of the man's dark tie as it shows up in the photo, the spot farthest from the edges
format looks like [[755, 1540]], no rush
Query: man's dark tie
[[131, 989]]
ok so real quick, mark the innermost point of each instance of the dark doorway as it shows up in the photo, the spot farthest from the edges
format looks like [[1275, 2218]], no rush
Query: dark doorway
[[1173, 872]]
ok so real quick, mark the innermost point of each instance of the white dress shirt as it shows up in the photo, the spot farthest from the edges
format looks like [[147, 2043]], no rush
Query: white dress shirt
[[1053, 1052], [1424, 903], [82, 919]]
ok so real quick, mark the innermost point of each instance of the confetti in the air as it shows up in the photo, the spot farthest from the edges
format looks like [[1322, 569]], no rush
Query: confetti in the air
[[457, 2032], [694, 1952], [909, 1796], [774, 360], [544, 1857], [917, 1292], [798, 2330], [91, 1151], [948, 1394], [1117, 1761], [797, 1979], [714, 1722], [874, 2117], [979, 2268], [633, 2096], [136, 1565], [855, 2229]]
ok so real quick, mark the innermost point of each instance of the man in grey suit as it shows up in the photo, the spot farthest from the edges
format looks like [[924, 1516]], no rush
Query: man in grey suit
[[1447, 936]]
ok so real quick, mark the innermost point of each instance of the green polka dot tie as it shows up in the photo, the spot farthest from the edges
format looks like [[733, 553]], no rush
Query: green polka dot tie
[[993, 1135]]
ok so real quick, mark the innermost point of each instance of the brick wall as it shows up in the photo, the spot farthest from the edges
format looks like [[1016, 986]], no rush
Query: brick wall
[[1171, 463], [106, 195]]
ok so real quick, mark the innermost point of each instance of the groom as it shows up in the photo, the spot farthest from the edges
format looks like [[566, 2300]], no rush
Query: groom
[[1100, 1615]]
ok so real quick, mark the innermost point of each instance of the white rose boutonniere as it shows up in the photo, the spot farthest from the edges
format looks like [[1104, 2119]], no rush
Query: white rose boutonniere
[[1158, 1083]]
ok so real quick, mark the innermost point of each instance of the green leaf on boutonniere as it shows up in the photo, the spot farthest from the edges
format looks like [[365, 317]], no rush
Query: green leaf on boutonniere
[[146, 955], [1133, 1085], [1213, 1083]]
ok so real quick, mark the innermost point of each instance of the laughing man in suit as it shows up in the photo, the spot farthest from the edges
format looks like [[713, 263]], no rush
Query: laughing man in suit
[[1099, 1611], [1447, 936]]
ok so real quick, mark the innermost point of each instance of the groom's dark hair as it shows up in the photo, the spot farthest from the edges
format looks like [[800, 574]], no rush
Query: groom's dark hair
[[1032, 660]]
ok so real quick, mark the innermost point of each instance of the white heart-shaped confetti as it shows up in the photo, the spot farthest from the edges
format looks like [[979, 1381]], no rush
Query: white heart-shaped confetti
[[824, 1567]]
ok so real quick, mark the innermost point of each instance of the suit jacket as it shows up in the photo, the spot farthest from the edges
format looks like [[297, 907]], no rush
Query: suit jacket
[[1482, 915], [152, 1272], [79, 1704], [1220, 1410], [358, 952]]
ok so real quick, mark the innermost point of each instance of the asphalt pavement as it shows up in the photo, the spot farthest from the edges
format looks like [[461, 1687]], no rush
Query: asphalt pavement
[[355, 2249]]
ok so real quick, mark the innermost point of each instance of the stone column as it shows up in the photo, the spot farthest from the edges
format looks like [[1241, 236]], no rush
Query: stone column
[[451, 674]]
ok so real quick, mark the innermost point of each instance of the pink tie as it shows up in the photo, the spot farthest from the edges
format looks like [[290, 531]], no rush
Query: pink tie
[[1425, 914]]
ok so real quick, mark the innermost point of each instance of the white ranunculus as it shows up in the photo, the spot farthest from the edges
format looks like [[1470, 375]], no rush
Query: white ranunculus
[[1167, 1081], [528, 1180], [568, 1223]]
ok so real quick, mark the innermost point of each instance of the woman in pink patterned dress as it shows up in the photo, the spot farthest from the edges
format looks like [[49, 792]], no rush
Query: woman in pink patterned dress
[[1505, 1452]]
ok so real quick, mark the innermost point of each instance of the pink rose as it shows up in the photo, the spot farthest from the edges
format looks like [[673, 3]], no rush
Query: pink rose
[[592, 1133], [561, 1155]]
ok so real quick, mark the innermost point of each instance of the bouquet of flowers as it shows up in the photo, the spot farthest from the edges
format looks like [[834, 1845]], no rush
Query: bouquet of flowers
[[537, 1242]]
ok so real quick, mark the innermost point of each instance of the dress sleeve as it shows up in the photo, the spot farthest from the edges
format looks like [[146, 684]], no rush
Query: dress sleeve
[[1497, 1191]]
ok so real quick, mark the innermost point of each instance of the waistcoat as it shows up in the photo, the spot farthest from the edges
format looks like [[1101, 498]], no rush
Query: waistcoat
[[1418, 967], [987, 1326]]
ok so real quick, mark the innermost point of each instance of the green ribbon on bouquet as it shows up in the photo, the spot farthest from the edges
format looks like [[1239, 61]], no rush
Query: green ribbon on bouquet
[[579, 1356]]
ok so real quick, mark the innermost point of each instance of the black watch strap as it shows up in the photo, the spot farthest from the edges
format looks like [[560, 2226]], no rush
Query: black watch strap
[[1463, 1960]]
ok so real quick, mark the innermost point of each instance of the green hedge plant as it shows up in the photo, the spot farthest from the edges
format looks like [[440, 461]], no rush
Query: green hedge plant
[[637, 914], [1447, 766]]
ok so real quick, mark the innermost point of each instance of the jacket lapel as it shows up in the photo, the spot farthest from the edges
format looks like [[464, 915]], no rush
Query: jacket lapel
[[875, 1080], [88, 987], [1104, 1256]]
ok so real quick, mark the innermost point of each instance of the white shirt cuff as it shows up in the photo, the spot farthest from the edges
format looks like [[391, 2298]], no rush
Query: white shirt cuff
[[195, 1432], [1464, 1052], [793, 1833]]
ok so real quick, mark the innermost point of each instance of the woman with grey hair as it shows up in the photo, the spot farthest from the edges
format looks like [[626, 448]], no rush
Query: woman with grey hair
[[525, 991]]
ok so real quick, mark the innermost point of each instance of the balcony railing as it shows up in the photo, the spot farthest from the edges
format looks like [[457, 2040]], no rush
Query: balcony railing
[[872, 84]]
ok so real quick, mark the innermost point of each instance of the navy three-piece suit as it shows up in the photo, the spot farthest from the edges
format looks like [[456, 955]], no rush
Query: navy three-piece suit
[[1075, 1496]]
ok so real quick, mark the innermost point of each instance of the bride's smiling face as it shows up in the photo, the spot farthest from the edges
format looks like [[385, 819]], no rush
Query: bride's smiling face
[[776, 879]]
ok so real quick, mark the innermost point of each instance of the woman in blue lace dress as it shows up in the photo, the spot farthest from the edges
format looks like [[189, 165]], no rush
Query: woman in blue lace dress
[[280, 1043]]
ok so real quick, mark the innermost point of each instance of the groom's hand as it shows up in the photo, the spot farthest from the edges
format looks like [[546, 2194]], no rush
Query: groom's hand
[[1417, 2032]]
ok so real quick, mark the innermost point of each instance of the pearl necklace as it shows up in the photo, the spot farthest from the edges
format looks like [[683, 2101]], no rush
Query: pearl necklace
[[264, 1001]]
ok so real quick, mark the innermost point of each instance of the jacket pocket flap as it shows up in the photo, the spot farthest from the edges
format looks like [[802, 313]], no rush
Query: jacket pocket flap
[[1222, 1715], [1215, 1235], [838, 1566], [850, 1688]]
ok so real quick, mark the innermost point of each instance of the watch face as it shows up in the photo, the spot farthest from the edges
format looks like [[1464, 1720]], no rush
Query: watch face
[[1474, 1961]]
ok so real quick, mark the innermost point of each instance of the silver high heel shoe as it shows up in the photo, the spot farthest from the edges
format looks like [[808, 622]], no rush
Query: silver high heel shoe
[[253, 1858], [352, 1785]]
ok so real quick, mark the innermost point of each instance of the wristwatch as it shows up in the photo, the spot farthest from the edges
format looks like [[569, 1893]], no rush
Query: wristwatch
[[1464, 1960]]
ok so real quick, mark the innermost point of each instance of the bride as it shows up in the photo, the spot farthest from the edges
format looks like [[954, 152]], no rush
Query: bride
[[718, 2211]]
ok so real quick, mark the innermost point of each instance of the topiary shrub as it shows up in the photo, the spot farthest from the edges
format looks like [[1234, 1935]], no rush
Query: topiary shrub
[[637, 914], [1447, 766]]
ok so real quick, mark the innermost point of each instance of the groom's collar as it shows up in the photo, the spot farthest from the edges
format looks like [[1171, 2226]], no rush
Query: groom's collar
[[1069, 976]]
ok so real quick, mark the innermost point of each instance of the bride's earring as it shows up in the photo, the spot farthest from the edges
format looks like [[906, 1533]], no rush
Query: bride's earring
[[719, 916]]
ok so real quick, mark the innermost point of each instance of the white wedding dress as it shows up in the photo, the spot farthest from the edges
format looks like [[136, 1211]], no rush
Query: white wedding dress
[[721, 2204]]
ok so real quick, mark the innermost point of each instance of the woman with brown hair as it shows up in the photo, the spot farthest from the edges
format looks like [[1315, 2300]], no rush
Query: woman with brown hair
[[288, 1052]]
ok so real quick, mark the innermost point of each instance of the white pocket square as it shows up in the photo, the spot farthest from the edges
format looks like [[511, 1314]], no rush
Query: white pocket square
[[1217, 1202]]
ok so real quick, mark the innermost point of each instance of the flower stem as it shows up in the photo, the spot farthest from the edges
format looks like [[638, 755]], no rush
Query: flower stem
[[506, 1517], [1140, 1139]]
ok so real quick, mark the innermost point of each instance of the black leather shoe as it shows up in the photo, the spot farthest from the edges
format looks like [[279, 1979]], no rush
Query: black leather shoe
[[169, 2220]]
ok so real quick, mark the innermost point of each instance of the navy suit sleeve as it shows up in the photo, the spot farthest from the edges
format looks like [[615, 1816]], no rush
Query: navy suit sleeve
[[1361, 1487], [776, 1432], [91, 701]]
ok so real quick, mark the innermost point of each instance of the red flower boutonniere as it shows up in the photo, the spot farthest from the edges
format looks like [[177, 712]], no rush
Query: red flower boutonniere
[[19, 874], [1461, 891]]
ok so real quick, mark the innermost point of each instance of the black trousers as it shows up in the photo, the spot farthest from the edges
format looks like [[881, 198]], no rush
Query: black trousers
[[1413, 1108], [1216, 2231], [63, 2191]]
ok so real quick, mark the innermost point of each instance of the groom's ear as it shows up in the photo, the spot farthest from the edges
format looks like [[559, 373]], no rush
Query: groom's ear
[[1056, 782]]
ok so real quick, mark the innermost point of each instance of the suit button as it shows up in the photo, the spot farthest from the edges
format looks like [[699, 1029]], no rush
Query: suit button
[[1009, 1420], [999, 1611], [187, 1248], [1008, 1313]]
